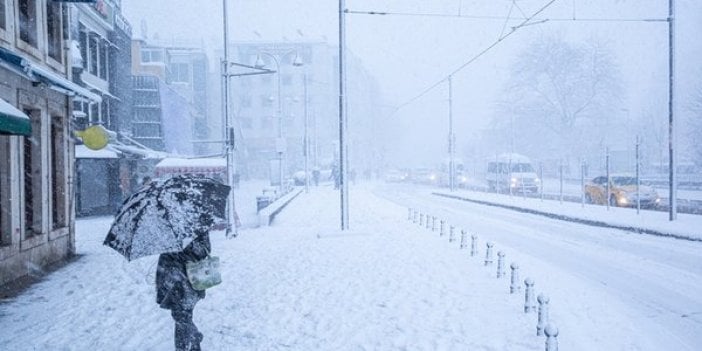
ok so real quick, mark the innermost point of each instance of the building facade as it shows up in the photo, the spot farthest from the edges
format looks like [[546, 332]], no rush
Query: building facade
[[309, 103], [102, 42], [170, 111], [36, 150]]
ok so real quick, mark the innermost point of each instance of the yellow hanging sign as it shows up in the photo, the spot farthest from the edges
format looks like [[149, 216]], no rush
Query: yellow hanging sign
[[94, 137]]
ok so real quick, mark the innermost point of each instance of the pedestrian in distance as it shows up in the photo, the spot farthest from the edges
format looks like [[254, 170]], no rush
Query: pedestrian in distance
[[175, 293], [336, 176], [315, 176]]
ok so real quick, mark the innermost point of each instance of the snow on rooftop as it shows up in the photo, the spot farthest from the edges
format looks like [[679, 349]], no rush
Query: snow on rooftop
[[192, 162], [83, 151]]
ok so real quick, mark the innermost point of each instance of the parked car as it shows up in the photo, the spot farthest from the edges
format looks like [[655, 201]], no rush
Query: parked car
[[395, 176], [622, 192], [512, 173], [425, 176]]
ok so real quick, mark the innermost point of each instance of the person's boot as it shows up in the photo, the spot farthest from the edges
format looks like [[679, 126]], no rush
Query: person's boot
[[197, 339]]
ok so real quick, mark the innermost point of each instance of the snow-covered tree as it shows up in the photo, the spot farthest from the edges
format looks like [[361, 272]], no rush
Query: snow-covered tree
[[561, 98]]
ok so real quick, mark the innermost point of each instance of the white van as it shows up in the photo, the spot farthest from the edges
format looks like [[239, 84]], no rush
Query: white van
[[512, 173]]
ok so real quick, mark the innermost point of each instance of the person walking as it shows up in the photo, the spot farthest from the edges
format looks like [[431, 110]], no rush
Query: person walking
[[175, 293], [336, 176], [315, 176]]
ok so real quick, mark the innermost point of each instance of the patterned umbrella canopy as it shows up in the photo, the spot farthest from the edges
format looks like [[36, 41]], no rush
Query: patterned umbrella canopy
[[166, 215]]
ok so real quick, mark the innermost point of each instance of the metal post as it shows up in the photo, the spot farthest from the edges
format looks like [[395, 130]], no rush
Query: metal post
[[672, 196], [541, 176], [607, 190], [560, 179], [452, 176], [543, 301], [306, 143], [281, 143], [638, 179], [229, 128], [344, 190], [582, 183]]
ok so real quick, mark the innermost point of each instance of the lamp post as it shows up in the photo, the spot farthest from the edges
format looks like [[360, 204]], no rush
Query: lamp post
[[451, 139], [306, 143], [280, 144], [229, 128]]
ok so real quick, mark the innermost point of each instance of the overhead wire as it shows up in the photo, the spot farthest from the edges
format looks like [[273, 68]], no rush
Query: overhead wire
[[527, 21], [477, 56], [499, 18]]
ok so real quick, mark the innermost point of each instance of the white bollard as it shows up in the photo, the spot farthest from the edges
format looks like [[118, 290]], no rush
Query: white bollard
[[427, 222], [551, 337], [451, 234], [514, 286], [500, 264], [415, 216], [441, 228], [543, 314], [529, 302], [488, 254], [421, 219], [433, 223], [473, 245], [409, 214], [464, 235]]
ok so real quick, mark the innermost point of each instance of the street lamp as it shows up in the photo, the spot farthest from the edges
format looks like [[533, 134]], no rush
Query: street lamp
[[280, 145]]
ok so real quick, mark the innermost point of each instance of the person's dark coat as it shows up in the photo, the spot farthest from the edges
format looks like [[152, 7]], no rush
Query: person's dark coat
[[173, 290]]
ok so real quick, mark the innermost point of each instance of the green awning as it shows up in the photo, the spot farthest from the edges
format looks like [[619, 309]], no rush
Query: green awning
[[13, 121]]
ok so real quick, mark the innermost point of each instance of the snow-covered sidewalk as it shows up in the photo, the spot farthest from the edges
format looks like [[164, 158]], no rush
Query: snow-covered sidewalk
[[301, 285], [687, 226]]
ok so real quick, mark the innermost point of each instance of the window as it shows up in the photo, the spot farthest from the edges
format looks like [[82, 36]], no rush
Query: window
[[180, 72], [151, 56], [93, 48], [58, 174], [53, 28], [103, 59], [522, 168], [83, 39], [3, 15], [28, 21], [5, 228], [95, 113], [105, 114], [31, 157], [146, 115], [147, 130]]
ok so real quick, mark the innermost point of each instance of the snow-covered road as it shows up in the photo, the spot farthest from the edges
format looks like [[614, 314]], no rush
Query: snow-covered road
[[386, 285], [657, 280]]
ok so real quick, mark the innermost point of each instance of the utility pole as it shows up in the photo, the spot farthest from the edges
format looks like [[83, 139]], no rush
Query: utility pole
[[452, 176], [229, 129], [344, 187], [306, 142], [672, 195]]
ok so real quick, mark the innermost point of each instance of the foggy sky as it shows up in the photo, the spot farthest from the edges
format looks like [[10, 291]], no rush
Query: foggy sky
[[409, 53]]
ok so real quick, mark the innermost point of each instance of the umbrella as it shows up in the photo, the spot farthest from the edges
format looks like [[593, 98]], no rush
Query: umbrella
[[164, 216]]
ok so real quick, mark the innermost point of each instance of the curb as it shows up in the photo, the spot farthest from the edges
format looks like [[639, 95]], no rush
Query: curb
[[590, 222], [266, 215]]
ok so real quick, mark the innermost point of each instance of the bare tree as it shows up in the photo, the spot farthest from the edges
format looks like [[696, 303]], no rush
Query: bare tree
[[560, 98], [695, 125]]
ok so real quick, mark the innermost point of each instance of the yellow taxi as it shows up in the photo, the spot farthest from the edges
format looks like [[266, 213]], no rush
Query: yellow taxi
[[622, 192]]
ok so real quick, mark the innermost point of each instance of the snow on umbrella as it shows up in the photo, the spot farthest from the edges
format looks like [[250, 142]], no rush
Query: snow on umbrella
[[166, 215]]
